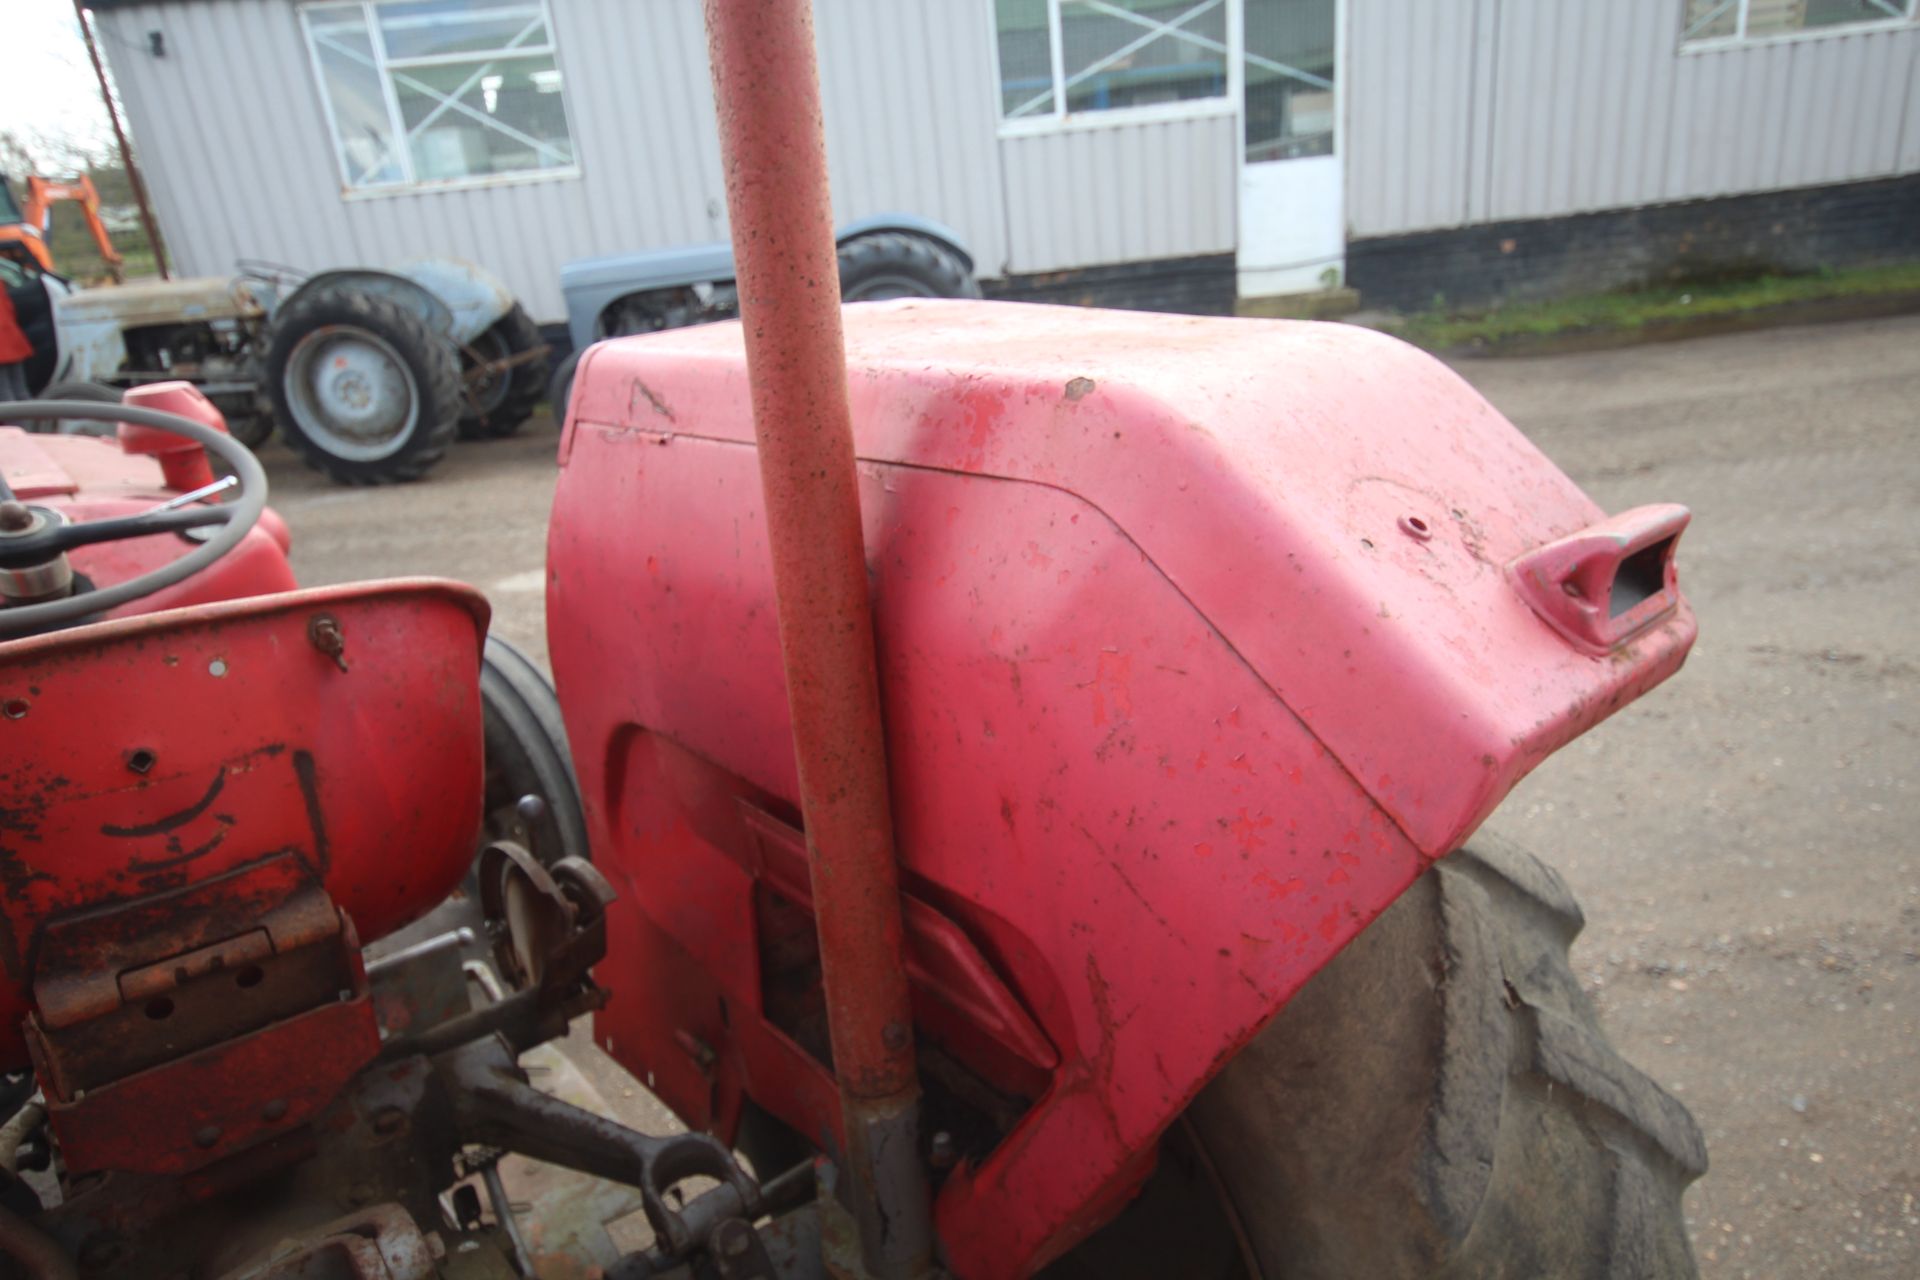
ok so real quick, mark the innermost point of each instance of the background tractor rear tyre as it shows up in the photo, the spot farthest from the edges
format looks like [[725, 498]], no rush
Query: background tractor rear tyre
[[251, 429], [95, 392], [898, 264], [560, 389], [1439, 1101], [509, 400], [526, 754], [408, 380]]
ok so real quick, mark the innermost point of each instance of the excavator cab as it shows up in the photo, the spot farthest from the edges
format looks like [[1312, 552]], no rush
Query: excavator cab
[[18, 239]]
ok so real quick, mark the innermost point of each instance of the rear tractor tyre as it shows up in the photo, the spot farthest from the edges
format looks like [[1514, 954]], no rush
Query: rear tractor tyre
[[527, 755], [1439, 1101], [560, 389], [363, 389], [529, 794], [501, 403], [899, 264]]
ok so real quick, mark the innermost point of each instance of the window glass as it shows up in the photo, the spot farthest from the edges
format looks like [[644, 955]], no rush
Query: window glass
[[428, 28], [1026, 58], [422, 91], [1711, 19], [1290, 72], [1113, 55], [1758, 19], [362, 128], [1137, 53], [465, 119]]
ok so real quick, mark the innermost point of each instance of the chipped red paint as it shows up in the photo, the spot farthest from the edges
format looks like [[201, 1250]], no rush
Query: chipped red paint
[[146, 756], [185, 1114], [1175, 703]]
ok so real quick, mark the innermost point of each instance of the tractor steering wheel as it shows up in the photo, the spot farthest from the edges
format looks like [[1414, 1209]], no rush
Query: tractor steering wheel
[[28, 537]]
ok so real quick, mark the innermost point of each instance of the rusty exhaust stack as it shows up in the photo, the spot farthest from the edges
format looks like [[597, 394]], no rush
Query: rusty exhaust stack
[[767, 90]]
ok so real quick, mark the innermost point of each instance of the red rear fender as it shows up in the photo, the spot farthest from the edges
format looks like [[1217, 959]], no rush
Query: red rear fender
[[1199, 639]]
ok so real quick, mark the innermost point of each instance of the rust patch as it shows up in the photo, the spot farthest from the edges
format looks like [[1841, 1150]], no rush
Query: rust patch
[[173, 821], [652, 397]]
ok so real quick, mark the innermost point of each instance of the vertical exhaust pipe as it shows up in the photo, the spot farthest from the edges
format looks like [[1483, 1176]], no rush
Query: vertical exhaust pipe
[[767, 90]]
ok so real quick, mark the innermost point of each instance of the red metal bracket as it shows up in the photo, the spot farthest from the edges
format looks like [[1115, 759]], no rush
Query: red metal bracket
[[1604, 585]]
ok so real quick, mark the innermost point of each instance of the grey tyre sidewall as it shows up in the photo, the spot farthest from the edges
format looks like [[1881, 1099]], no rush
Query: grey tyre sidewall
[[1440, 1100], [428, 360], [899, 264]]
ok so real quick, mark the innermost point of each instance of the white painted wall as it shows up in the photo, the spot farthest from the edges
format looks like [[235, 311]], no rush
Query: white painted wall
[[1458, 112], [234, 144], [1120, 192], [1470, 111]]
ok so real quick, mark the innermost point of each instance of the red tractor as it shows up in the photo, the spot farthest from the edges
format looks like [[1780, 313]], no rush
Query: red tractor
[[1035, 827]]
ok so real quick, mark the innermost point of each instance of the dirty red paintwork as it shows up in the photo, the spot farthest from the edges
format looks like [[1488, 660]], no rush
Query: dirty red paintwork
[[1197, 643], [93, 479], [145, 755], [183, 1115]]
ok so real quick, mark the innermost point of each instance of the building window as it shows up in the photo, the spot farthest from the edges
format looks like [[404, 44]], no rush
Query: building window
[[1718, 20], [430, 91], [1066, 57]]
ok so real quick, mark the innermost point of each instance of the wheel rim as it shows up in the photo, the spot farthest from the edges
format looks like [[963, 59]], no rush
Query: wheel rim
[[881, 288], [488, 391], [351, 393]]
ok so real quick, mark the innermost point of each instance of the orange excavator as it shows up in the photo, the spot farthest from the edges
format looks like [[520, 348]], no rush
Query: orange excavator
[[24, 224]]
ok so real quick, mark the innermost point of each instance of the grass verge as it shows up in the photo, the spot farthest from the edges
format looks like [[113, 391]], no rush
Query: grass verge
[[1627, 312]]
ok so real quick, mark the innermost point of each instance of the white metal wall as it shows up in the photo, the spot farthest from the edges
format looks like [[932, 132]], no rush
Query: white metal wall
[[1121, 193], [235, 147], [1467, 111]]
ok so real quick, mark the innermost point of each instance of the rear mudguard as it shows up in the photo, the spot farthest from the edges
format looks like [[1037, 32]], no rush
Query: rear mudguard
[[1199, 639], [591, 285], [457, 300]]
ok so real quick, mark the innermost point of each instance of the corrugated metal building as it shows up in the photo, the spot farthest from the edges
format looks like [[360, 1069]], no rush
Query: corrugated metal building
[[1096, 148]]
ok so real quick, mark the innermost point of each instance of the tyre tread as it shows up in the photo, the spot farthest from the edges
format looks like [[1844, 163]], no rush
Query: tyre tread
[[937, 266], [526, 387], [435, 368], [521, 704], [1441, 1101]]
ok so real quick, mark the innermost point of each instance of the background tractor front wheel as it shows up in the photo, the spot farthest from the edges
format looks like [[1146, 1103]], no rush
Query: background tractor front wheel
[[1439, 1101]]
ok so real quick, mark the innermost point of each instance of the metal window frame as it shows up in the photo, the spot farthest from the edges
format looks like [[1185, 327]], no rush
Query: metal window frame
[[390, 71], [1061, 120], [1741, 40]]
